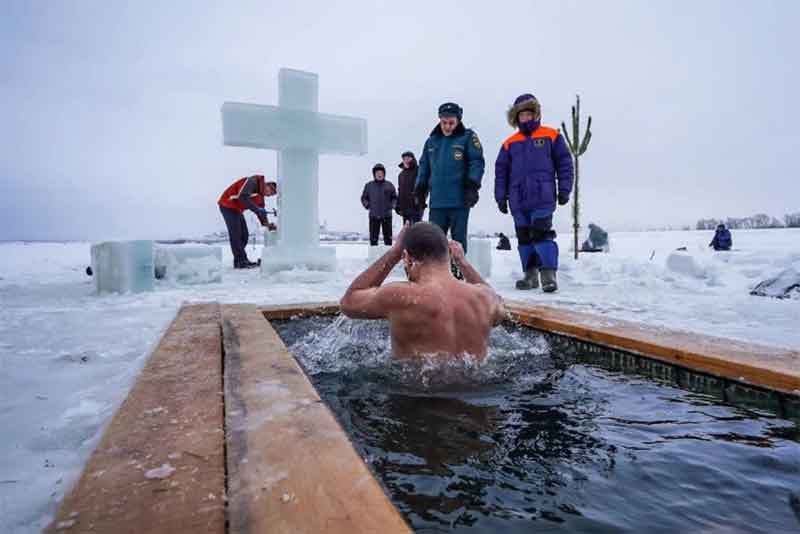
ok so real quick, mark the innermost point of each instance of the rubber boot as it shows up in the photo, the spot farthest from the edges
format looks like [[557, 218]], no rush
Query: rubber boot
[[530, 281], [549, 284]]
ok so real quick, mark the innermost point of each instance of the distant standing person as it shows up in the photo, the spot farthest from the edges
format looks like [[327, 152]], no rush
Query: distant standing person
[[408, 206], [246, 193], [533, 171], [379, 198], [450, 169], [722, 238]]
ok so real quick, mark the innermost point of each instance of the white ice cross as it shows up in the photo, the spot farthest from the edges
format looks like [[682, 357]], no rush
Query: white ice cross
[[300, 133]]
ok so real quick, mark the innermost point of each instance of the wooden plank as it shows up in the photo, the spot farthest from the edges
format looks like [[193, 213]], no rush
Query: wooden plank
[[291, 467], [769, 367], [290, 311], [173, 415]]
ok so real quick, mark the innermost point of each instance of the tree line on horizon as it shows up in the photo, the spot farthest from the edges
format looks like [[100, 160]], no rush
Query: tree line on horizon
[[758, 221]]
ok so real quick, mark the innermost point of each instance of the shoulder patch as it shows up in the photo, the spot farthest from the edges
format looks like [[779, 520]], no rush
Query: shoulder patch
[[476, 142]]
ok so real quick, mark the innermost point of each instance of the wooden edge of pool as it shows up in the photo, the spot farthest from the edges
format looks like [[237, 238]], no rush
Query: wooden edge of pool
[[291, 467], [171, 418], [758, 365], [291, 311], [768, 367]]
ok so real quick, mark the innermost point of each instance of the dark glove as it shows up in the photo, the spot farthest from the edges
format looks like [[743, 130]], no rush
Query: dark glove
[[563, 198], [470, 193], [421, 193], [503, 206]]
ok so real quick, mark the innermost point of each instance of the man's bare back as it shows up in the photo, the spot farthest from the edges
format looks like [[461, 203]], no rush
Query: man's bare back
[[432, 313]]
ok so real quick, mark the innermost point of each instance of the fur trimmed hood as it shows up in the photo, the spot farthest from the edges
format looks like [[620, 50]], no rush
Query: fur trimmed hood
[[523, 103]]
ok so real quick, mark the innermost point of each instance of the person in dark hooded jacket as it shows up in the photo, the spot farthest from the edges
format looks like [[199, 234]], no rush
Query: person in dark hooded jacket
[[722, 238], [379, 198], [407, 203], [533, 172]]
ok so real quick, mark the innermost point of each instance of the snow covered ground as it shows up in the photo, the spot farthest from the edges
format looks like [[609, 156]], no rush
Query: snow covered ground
[[68, 357]]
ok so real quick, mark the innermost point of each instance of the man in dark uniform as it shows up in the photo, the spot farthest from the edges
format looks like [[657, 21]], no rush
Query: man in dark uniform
[[451, 169]]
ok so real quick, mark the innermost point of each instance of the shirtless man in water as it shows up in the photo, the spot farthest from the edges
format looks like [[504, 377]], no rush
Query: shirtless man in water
[[432, 313]]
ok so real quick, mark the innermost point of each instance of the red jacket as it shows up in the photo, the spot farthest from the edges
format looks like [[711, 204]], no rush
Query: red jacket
[[230, 197]]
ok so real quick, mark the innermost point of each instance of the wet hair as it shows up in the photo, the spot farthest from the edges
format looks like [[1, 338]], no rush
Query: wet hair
[[426, 241]]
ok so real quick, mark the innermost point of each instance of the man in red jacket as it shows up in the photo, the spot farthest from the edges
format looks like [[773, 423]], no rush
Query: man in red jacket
[[245, 194]]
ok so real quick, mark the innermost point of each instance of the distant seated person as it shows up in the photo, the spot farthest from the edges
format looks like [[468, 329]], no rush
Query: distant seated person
[[379, 198], [722, 238], [246, 193], [598, 240], [432, 313], [504, 243]]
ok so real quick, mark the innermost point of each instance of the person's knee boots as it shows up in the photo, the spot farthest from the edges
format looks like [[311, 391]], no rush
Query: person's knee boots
[[549, 283], [530, 280]]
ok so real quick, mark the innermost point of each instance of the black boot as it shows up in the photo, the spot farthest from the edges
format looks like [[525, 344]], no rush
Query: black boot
[[530, 281], [549, 283]]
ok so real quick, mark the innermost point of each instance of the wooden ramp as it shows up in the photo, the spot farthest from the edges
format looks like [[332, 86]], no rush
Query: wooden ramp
[[292, 468], [161, 465], [172, 419]]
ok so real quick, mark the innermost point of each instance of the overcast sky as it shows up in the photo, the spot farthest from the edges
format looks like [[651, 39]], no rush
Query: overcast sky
[[110, 123]]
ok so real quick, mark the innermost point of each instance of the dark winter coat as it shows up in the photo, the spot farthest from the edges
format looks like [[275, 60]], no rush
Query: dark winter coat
[[597, 236], [406, 180], [449, 165], [528, 168], [722, 239], [380, 198]]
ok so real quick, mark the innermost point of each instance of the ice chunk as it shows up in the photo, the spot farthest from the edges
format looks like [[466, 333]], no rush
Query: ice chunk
[[685, 264], [282, 258], [271, 238], [160, 472], [479, 254], [123, 266], [786, 285], [188, 264]]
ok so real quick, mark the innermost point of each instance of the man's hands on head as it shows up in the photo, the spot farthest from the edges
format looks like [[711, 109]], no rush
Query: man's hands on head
[[398, 246], [457, 252]]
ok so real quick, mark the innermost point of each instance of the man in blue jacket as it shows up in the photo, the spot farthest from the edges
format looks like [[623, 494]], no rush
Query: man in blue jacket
[[533, 171], [722, 238], [451, 168]]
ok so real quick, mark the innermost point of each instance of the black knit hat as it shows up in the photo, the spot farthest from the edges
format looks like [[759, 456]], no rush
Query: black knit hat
[[378, 167], [450, 109], [407, 153]]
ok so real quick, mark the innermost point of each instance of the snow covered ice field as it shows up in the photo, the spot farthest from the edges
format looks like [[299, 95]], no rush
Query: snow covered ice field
[[68, 357]]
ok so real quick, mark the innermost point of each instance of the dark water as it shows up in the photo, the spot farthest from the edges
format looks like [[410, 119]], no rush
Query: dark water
[[534, 442]]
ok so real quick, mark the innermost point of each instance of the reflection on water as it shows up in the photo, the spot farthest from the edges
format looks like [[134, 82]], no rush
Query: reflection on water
[[532, 441]]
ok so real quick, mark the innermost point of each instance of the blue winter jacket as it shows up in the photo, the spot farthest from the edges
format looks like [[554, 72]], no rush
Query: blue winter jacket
[[722, 239], [528, 167], [447, 163]]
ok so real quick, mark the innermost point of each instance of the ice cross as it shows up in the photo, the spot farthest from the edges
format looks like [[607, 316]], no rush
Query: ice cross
[[300, 133]]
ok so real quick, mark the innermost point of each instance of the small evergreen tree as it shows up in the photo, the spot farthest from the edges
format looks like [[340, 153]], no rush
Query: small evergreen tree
[[577, 147]]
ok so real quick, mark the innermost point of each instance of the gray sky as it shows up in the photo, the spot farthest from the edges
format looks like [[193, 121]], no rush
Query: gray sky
[[111, 124]]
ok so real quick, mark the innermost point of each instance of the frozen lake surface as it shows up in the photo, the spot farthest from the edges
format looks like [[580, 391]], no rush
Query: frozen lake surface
[[68, 357]]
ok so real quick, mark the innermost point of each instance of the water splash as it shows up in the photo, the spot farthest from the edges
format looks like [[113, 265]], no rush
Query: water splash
[[362, 349]]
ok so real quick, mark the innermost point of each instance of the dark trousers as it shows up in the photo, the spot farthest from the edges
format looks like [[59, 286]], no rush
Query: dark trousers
[[453, 220], [377, 224], [237, 234]]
